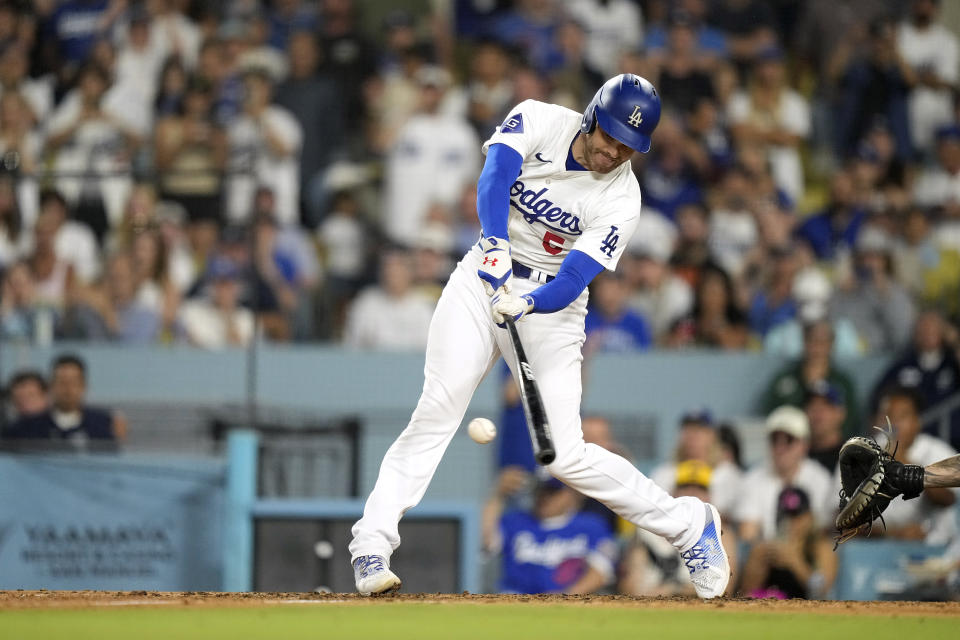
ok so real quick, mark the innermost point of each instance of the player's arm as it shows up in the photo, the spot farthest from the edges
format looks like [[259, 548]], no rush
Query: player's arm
[[945, 473], [576, 272], [500, 170]]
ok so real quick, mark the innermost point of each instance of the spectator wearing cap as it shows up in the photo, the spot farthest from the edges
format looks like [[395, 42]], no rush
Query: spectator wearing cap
[[811, 291], [433, 157], [799, 562], [697, 441], [826, 412], [933, 53], [216, 320], [877, 305], [932, 516], [659, 294], [835, 229], [788, 433], [264, 149], [816, 363], [929, 366], [69, 423], [553, 547], [651, 566], [611, 325], [772, 114]]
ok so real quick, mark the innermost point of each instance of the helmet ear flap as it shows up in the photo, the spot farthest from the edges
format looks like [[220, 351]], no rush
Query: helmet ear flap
[[589, 117]]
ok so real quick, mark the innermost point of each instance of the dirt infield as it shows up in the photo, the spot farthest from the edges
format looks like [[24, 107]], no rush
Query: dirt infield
[[88, 599]]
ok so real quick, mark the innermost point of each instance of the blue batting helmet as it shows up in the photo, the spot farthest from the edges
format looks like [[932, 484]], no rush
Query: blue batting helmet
[[627, 108]]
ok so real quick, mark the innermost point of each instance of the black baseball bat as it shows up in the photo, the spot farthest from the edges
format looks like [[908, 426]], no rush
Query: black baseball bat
[[537, 423]]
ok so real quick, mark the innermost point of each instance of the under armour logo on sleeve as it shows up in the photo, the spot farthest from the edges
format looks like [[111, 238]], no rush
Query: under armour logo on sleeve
[[609, 244]]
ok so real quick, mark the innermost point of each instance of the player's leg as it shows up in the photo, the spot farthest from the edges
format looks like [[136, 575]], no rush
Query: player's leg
[[460, 350], [553, 343]]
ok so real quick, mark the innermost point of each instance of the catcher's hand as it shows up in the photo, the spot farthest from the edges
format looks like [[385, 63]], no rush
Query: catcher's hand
[[870, 479]]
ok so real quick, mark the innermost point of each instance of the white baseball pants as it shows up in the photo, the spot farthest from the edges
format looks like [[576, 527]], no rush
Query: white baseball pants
[[463, 344]]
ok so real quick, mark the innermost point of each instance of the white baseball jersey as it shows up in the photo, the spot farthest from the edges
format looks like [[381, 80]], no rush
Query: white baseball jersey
[[554, 210]]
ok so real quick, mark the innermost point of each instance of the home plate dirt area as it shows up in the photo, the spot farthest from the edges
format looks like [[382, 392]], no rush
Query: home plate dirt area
[[84, 599]]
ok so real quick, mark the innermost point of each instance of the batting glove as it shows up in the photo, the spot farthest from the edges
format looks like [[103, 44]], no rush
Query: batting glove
[[506, 304], [496, 269]]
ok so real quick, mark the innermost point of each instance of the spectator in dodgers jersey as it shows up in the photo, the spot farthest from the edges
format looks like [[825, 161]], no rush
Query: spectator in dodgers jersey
[[69, 423], [553, 548]]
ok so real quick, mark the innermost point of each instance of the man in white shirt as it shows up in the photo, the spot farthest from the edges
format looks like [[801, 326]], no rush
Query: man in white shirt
[[433, 158], [390, 315], [789, 433], [218, 321], [931, 50], [931, 517], [265, 144]]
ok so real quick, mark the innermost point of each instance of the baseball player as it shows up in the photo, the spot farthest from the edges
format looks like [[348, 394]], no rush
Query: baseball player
[[557, 202]]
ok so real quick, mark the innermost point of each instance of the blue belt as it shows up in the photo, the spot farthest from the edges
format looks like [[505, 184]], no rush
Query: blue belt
[[525, 272]]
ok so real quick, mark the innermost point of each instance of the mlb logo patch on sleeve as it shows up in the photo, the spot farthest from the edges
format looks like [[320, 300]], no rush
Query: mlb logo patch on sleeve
[[513, 124]]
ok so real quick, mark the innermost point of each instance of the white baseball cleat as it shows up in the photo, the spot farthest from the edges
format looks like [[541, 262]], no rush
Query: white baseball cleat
[[706, 559], [373, 577]]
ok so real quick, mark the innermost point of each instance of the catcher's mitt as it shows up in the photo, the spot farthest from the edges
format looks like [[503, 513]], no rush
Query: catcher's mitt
[[870, 479]]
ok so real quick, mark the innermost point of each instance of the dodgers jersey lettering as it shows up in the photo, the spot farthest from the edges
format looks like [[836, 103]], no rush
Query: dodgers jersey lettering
[[553, 210]]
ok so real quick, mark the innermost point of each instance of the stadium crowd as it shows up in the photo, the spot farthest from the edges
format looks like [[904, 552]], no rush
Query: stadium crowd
[[206, 171], [198, 171]]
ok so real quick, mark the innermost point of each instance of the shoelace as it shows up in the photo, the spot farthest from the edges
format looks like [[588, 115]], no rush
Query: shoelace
[[690, 556], [370, 564]]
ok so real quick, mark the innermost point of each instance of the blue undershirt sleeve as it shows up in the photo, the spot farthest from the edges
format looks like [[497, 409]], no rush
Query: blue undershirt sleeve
[[576, 272], [499, 173]]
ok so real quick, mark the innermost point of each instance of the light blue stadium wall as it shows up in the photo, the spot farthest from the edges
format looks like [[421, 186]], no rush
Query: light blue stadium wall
[[383, 388]]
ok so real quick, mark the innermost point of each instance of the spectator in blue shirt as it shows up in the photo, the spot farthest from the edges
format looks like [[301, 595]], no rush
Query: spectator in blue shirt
[[773, 304], [70, 423], [610, 324], [837, 226], [553, 547]]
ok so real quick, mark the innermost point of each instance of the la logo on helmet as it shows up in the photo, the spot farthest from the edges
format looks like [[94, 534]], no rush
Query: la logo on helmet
[[636, 117]]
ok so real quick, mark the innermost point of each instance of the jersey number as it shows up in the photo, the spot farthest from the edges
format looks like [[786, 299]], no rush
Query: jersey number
[[552, 243]]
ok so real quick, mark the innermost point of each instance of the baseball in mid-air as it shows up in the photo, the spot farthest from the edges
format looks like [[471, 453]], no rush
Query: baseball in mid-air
[[482, 430]]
